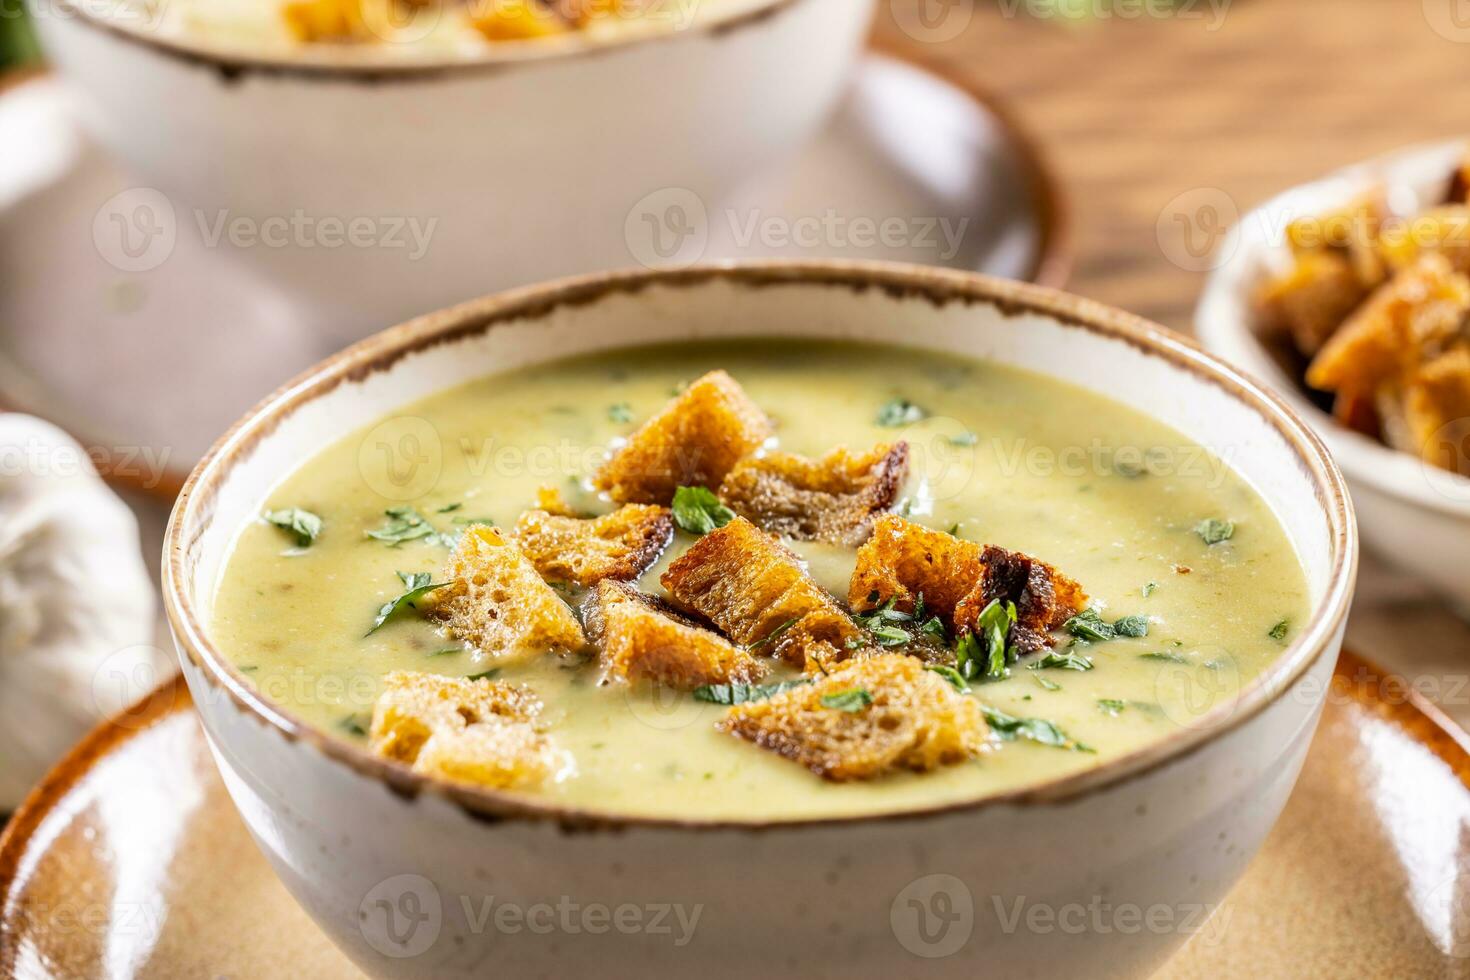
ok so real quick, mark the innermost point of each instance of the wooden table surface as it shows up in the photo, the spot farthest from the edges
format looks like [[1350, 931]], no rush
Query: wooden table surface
[[1149, 121]]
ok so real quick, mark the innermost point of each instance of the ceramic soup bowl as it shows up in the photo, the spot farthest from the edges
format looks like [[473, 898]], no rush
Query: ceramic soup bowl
[[400, 870], [371, 190], [1414, 514]]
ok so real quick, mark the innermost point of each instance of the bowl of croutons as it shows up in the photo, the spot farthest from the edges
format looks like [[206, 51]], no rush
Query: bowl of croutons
[[779, 619], [1351, 297]]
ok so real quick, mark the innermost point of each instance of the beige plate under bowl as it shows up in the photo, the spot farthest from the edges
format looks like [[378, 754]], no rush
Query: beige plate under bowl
[[129, 860]]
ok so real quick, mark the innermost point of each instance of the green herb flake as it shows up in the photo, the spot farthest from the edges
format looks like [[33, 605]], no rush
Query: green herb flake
[[853, 701], [1150, 588], [732, 694], [475, 520], [1111, 706], [771, 636], [1165, 656], [407, 524], [964, 440], [1212, 530], [449, 508], [1062, 661], [353, 725], [1008, 728], [1046, 684], [1131, 626], [621, 412], [995, 624], [698, 511], [249, 668], [416, 585], [303, 525], [954, 677], [445, 652], [900, 412], [1279, 631], [1090, 627], [484, 675]]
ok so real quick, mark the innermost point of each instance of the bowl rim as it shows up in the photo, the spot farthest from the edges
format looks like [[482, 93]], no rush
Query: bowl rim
[[1222, 319], [899, 281], [233, 63]]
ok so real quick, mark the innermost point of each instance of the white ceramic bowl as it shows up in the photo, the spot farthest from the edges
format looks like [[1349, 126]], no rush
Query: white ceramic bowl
[[379, 855], [1415, 515], [486, 172]]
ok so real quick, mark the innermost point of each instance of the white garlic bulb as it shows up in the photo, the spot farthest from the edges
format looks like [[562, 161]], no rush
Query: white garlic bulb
[[76, 603]]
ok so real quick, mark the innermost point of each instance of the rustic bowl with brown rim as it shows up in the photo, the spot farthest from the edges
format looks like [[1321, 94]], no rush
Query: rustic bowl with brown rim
[[410, 876]]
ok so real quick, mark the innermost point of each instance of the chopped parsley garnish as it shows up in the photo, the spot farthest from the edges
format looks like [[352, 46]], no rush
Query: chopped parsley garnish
[[621, 412], [448, 508], [900, 412], [1111, 706], [352, 725], [1008, 728], [995, 624], [301, 524], [1212, 530], [1049, 685], [1062, 661], [249, 668], [407, 524], [698, 511], [484, 675], [1279, 631], [851, 701], [417, 585], [730, 694], [1089, 627], [445, 652], [475, 520], [1149, 588], [955, 678], [769, 637], [882, 622], [1166, 656], [964, 439]]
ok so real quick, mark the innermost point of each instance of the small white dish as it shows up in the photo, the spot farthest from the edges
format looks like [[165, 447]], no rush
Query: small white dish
[[1415, 515], [147, 365]]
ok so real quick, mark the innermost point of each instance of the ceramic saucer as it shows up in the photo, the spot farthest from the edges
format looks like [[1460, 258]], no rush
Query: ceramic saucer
[[129, 860], [150, 365]]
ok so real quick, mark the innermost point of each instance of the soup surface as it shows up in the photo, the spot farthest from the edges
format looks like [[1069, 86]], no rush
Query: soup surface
[[1148, 523]]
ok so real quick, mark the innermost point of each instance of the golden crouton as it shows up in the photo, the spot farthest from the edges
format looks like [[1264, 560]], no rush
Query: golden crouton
[[958, 579], [1310, 301], [832, 499], [481, 731], [1437, 412], [550, 499], [693, 441], [315, 21], [642, 637], [1422, 305], [866, 718], [754, 589], [620, 545], [496, 601], [518, 20]]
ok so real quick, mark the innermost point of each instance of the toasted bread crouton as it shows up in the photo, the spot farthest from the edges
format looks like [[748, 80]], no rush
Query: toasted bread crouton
[[1423, 305], [958, 579], [315, 21], [481, 731], [518, 20], [1044, 598], [693, 441], [644, 638], [550, 499], [754, 589], [620, 545], [906, 718], [832, 499], [1437, 412], [1311, 300], [496, 601]]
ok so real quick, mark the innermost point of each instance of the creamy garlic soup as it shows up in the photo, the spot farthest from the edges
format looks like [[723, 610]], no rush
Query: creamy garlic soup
[[1185, 566]]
